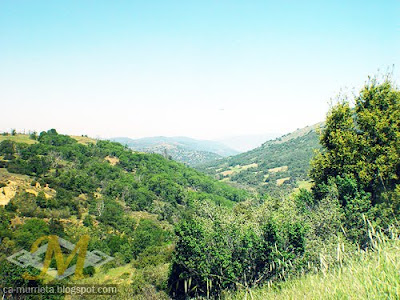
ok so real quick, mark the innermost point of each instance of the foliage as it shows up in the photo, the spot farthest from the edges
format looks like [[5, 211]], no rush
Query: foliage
[[371, 274], [12, 277], [219, 248], [81, 192], [361, 157], [131, 204], [30, 232]]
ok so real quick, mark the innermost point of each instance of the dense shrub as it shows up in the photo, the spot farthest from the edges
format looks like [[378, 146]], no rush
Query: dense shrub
[[218, 249]]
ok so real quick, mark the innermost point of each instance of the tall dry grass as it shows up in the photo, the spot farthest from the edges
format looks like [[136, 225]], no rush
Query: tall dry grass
[[373, 273]]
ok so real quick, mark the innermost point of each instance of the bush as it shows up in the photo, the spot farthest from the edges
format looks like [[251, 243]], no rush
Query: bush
[[30, 232], [219, 249]]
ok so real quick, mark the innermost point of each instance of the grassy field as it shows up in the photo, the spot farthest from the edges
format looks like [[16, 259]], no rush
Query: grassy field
[[84, 140], [24, 138], [19, 138], [303, 184], [373, 274], [10, 183], [237, 169], [281, 181], [278, 169]]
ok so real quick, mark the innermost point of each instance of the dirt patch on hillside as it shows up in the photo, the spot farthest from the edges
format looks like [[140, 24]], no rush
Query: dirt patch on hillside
[[282, 181], [278, 169], [8, 192], [17, 182], [112, 160], [226, 173]]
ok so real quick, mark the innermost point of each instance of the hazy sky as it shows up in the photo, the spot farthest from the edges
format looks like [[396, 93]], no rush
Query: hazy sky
[[204, 69]]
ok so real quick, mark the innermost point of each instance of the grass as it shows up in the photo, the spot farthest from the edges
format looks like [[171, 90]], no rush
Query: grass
[[5, 176], [281, 181], [304, 184], [12, 182], [278, 169], [112, 160], [237, 169], [84, 140], [297, 133], [19, 138], [118, 275], [373, 274], [25, 138]]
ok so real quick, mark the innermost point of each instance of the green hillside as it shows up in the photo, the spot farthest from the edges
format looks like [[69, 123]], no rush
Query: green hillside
[[126, 202], [338, 240], [278, 165]]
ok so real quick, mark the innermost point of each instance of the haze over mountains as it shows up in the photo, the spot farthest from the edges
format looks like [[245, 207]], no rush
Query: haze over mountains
[[183, 149], [278, 164], [247, 142]]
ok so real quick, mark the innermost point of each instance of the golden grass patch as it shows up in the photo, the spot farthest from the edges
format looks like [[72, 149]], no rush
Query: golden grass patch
[[281, 181], [112, 160], [278, 169], [84, 140], [19, 138]]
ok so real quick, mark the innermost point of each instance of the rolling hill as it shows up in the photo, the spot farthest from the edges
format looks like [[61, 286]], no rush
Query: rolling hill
[[127, 202], [183, 149], [277, 165]]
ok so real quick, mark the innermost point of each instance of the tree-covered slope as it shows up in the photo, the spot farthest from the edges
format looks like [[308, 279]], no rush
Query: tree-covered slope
[[280, 164], [126, 202]]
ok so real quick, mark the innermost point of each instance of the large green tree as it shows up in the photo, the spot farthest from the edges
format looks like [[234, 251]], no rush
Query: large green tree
[[360, 155]]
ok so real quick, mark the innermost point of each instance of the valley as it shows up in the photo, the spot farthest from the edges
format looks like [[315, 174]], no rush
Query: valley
[[182, 149], [270, 222]]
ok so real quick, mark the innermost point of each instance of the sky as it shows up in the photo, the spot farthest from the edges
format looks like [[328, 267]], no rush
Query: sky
[[204, 69]]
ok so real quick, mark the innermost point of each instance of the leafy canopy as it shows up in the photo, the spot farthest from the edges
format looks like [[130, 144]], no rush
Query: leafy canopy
[[361, 155]]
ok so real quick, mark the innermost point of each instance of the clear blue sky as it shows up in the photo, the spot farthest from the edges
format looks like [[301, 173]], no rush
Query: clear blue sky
[[204, 69]]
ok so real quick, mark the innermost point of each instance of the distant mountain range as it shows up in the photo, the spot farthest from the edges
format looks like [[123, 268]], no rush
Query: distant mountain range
[[277, 165], [183, 149]]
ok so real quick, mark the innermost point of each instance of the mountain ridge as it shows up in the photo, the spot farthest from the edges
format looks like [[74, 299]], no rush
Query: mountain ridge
[[277, 165], [183, 149]]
